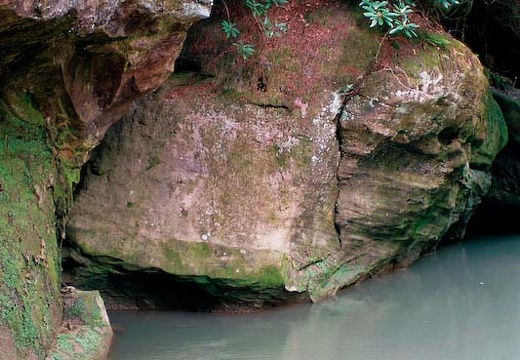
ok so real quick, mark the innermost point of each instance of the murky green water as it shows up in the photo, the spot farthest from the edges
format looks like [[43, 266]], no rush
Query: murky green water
[[462, 303]]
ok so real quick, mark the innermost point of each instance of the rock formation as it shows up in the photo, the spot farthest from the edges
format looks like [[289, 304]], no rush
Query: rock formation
[[329, 156], [69, 70]]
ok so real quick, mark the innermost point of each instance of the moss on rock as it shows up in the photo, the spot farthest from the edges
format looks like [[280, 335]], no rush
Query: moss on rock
[[86, 333], [29, 296]]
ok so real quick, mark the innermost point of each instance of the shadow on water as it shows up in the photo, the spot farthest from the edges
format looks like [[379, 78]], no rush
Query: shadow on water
[[462, 302]]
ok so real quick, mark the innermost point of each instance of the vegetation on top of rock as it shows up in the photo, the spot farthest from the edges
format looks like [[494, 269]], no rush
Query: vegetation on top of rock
[[487, 27], [393, 16], [258, 9]]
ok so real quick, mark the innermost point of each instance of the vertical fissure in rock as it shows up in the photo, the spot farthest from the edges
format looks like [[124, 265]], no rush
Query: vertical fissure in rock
[[352, 91]]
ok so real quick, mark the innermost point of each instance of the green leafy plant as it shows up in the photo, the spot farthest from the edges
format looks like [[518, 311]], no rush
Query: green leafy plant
[[378, 13], [244, 50], [229, 29], [446, 4], [258, 9], [393, 16]]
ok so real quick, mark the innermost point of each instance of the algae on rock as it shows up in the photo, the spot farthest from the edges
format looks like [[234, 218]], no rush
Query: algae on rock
[[32, 182], [86, 333]]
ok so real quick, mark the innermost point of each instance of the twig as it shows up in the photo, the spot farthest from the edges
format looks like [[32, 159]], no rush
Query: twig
[[227, 11], [380, 46]]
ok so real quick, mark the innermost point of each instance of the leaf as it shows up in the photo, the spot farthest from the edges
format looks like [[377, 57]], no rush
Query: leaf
[[279, 2], [281, 27], [256, 7], [229, 29], [245, 50]]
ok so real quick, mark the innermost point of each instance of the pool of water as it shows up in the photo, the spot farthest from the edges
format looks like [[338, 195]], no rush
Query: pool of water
[[461, 303]]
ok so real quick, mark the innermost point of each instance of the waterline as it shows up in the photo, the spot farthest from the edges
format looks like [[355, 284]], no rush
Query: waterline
[[461, 303]]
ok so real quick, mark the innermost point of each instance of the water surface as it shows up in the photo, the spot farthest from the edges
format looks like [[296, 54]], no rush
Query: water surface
[[461, 303]]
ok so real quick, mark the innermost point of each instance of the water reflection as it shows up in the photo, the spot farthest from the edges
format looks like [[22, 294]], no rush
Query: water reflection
[[461, 303]]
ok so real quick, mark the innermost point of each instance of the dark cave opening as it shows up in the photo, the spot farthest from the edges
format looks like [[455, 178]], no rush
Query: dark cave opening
[[499, 211], [125, 287], [494, 218]]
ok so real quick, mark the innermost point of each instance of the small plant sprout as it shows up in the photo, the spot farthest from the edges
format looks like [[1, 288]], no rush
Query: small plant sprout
[[258, 8], [229, 29], [270, 29], [244, 50]]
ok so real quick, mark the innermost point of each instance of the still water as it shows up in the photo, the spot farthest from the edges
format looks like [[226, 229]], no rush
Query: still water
[[461, 303]]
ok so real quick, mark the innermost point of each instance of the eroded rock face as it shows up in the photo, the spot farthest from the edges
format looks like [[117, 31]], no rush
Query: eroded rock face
[[88, 60], [313, 162], [416, 157], [69, 70]]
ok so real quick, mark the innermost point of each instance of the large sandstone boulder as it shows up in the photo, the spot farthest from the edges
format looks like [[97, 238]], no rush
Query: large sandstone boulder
[[69, 69], [302, 170]]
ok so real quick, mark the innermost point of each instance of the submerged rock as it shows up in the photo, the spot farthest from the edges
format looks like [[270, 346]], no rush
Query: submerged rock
[[303, 170]]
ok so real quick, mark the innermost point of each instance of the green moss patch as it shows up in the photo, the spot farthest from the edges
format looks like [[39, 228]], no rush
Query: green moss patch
[[494, 137], [32, 184], [28, 249], [86, 332]]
